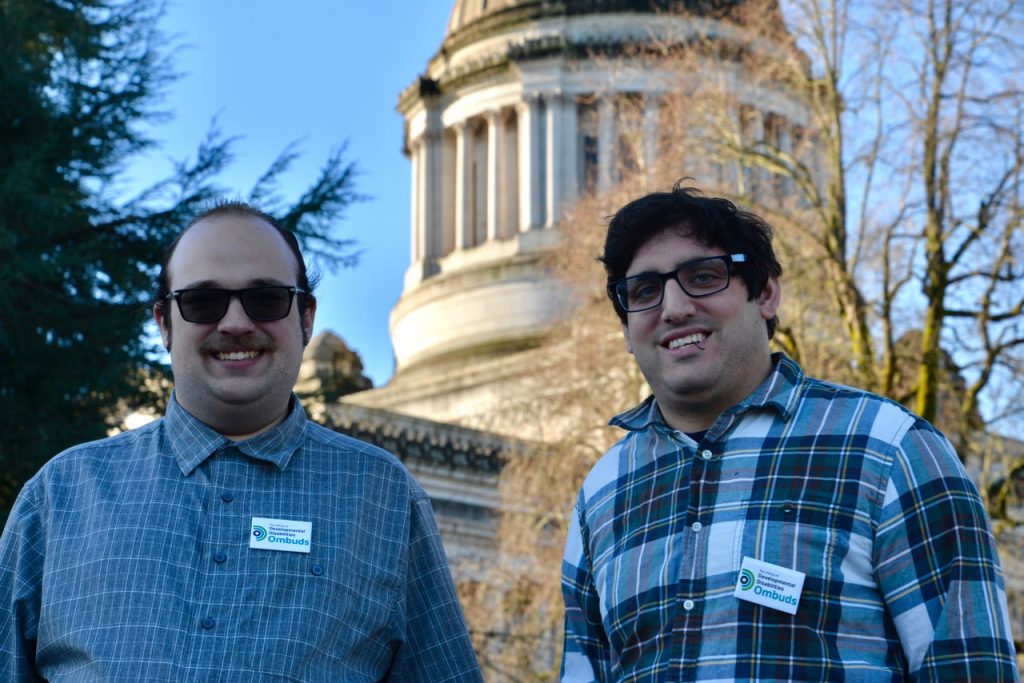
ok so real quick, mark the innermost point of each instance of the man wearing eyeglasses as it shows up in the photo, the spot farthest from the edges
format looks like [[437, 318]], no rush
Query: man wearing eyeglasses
[[755, 523], [232, 540]]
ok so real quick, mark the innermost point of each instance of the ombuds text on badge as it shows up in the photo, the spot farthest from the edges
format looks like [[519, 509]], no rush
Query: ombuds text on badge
[[769, 585], [280, 534]]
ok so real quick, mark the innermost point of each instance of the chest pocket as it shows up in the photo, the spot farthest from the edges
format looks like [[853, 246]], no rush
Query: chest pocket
[[313, 614], [819, 530]]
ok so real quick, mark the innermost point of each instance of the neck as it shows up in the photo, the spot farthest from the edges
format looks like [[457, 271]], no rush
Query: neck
[[237, 423], [685, 420], [249, 435], [242, 429], [697, 411]]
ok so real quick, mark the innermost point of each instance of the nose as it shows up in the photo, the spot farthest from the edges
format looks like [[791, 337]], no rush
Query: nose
[[675, 303], [236, 320]]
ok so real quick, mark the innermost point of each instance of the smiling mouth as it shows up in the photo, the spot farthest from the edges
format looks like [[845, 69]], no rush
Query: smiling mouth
[[236, 355], [696, 339]]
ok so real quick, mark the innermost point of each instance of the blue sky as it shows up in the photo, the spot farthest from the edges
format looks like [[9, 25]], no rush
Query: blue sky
[[320, 72]]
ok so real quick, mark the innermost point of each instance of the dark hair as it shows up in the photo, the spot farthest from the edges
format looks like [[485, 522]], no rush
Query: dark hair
[[712, 221], [306, 280]]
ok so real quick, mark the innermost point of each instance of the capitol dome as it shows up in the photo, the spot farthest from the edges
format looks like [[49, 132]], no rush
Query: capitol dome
[[467, 13], [510, 122]]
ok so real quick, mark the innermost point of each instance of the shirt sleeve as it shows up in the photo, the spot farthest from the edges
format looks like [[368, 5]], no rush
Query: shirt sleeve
[[21, 566], [436, 645], [938, 569], [586, 653]]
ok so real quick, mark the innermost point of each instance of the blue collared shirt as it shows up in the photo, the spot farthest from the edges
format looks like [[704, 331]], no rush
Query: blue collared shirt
[[867, 500], [128, 559]]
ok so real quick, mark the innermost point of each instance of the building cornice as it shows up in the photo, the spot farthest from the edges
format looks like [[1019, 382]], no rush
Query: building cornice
[[419, 442], [494, 21], [516, 40]]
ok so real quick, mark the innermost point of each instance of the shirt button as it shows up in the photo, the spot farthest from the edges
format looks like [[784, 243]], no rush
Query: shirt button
[[706, 454], [227, 496], [207, 623], [316, 570], [220, 558], [688, 605], [697, 526]]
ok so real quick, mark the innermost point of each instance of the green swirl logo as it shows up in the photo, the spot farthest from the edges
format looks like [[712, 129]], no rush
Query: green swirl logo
[[259, 533], [746, 580]]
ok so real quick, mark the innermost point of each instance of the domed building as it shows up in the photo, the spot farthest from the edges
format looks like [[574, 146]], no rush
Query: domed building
[[516, 116], [330, 369]]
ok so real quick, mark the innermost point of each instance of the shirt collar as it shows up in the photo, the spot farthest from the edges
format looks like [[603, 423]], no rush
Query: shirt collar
[[780, 390], [639, 417], [192, 442]]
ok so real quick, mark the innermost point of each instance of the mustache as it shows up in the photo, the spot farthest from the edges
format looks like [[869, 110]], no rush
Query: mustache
[[225, 343]]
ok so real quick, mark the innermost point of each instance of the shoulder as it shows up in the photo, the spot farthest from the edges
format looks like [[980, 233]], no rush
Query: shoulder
[[321, 438], [82, 465], [882, 425], [101, 453], [359, 455], [831, 408], [607, 472], [862, 412]]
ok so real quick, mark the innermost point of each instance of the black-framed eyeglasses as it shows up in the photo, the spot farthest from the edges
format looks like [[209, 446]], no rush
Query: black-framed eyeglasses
[[208, 304], [698, 278]]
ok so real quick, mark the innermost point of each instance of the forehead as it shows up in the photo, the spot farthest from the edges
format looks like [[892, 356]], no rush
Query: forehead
[[231, 251], [667, 250]]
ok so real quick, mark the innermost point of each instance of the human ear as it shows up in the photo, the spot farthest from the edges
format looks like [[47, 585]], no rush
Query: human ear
[[770, 298], [164, 324], [307, 318]]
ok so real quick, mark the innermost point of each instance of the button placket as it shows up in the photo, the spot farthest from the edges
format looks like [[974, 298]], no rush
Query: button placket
[[219, 544], [703, 475]]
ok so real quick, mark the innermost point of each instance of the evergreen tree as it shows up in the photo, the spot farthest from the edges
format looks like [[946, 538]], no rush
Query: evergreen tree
[[77, 262]]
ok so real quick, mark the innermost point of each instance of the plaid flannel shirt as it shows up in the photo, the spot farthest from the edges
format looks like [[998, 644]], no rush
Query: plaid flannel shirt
[[868, 500], [128, 559]]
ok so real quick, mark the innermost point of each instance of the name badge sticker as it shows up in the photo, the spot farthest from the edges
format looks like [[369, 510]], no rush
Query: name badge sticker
[[770, 585], [280, 534]]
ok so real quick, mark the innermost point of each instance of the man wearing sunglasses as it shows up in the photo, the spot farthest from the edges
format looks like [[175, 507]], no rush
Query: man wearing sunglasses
[[232, 540], [755, 523]]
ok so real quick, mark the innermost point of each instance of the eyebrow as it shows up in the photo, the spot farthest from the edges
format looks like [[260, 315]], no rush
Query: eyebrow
[[255, 282], [676, 267]]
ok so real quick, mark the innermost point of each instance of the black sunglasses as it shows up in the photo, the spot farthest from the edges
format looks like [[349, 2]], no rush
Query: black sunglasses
[[208, 305]]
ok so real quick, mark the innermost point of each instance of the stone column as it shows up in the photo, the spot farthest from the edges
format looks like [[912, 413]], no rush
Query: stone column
[[432, 178], [788, 145], [554, 161], [415, 202], [753, 128], [652, 110], [785, 141], [529, 164], [570, 150], [494, 134], [606, 157], [562, 152], [463, 239], [508, 209]]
